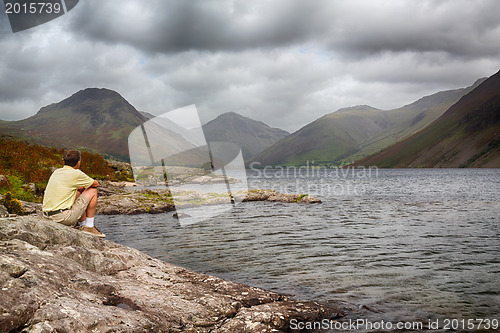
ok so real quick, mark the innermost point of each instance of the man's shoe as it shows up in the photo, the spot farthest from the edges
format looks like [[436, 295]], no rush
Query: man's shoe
[[92, 230]]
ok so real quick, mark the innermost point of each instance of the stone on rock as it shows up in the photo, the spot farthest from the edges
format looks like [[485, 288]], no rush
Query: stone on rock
[[4, 182], [31, 207], [31, 187], [109, 210], [3, 211]]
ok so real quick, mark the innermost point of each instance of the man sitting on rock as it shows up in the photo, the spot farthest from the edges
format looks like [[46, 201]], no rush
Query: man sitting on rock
[[71, 196]]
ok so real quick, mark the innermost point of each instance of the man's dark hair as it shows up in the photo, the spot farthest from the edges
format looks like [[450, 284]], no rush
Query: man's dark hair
[[71, 157]]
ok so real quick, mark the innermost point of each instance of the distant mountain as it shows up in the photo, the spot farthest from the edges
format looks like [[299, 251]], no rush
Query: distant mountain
[[98, 119], [466, 135], [411, 118], [326, 138], [352, 133], [253, 136], [101, 120]]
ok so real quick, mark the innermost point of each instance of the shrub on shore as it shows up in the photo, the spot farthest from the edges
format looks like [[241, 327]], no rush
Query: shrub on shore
[[13, 205]]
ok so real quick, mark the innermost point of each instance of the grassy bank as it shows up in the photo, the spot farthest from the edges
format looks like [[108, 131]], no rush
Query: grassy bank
[[27, 167]]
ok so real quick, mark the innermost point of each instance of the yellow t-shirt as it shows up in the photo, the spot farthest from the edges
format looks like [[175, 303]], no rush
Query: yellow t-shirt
[[61, 188]]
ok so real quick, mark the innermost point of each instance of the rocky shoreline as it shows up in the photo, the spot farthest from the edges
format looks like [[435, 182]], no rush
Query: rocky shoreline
[[115, 200], [120, 199], [58, 279]]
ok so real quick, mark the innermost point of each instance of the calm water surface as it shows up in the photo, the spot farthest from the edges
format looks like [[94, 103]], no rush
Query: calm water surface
[[391, 245]]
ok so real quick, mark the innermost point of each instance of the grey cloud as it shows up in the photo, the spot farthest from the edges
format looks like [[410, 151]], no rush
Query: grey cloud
[[465, 29], [352, 28], [256, 83], [175, 26], [20, 71]]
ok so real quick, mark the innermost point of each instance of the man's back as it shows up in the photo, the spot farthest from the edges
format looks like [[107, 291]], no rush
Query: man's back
[[61, 188]]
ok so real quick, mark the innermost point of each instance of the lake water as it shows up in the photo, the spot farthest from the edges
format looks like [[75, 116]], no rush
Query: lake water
[[392, 245]]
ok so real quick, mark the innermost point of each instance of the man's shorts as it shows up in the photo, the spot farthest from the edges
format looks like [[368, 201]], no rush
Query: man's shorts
[[71, 216]]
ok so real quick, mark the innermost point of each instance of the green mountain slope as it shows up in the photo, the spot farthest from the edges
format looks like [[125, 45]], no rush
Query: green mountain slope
[[252, 136], [466, 135], [97, 119], [326, 138], [409, 119], [349, 134]]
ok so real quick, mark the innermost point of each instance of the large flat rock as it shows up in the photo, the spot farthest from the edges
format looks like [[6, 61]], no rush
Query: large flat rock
[[57, 279]]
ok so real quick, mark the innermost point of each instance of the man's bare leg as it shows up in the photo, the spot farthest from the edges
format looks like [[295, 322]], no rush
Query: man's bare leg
[[88, 217], [78, 193], [91, 194]]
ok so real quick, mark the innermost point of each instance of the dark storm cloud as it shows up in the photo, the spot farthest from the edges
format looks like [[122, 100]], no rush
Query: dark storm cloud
[[352, 28], [176, 26]]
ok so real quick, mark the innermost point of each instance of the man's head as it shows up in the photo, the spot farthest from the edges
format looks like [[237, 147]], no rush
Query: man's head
[[72, 157]]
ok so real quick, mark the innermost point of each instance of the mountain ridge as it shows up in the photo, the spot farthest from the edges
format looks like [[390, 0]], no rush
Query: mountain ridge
[[101, 120], [466, 135], [349, 134], [93, 118], [252, 135]]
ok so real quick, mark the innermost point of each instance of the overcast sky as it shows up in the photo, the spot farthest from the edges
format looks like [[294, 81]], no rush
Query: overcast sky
[[283, 62]]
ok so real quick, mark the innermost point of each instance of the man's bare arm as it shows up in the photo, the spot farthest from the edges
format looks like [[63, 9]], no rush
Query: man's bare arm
[[94, 184]]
